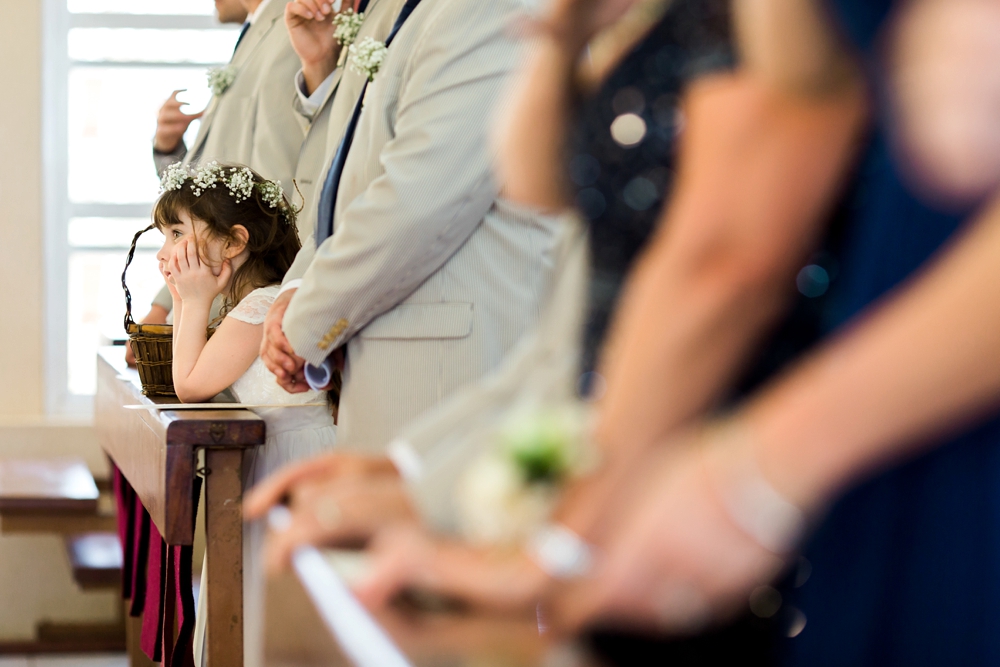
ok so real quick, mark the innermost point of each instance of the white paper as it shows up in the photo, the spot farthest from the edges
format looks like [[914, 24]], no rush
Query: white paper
[[171, 407]]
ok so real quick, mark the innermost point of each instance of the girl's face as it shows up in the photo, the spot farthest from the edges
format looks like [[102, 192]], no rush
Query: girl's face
[[211, 250]]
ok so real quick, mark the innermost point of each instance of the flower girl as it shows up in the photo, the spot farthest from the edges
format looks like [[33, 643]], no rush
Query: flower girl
[[229, 232]]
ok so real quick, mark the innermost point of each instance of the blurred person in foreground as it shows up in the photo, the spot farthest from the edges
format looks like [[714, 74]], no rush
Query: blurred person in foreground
[[714, 268], [850, 457]]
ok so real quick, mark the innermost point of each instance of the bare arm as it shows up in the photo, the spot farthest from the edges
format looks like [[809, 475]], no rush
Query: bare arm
[[925, 363], [202, 367], [531, 140], [751, 197]]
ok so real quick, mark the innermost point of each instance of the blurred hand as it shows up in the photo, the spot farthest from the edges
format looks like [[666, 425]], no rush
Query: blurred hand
[[577, 21], [408, 557], [673, 560], [277, 352], [172, 123], [310, 27], [338, 499]]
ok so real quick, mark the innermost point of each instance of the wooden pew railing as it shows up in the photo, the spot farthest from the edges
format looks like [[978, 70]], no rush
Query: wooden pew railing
[[298, 634], [158, 453]]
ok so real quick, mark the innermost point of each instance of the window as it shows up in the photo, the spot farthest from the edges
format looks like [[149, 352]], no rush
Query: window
[[110, 64]]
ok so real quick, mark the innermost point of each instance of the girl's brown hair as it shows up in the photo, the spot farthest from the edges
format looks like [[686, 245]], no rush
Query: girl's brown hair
[[273, 239]]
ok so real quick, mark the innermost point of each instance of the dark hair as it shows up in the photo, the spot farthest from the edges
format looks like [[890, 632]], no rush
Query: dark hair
[[273, 238]]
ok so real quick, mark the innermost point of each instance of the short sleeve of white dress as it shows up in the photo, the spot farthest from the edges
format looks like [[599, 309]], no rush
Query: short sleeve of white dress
[[254, 306]]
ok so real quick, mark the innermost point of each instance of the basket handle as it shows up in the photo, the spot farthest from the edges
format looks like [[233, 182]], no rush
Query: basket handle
[[128, 295]]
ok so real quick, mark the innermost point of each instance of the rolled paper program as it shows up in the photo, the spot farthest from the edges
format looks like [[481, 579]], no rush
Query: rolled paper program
[[319, 377]]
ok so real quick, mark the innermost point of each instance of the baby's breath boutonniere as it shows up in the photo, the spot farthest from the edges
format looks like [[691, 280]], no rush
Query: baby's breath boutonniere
[[367, 57], [220, 78], [508, 494], [346, 27]]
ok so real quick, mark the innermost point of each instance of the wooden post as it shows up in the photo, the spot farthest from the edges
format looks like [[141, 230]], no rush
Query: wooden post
[[224, 554]]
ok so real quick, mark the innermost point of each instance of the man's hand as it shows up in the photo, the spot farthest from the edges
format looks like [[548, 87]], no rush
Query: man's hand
[[172, 123], [671, 556], [277, 352], [407, 557], [310, 27], [334, 500]]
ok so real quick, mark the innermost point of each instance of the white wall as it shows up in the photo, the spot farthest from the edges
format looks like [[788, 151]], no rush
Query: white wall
[[35, 583]]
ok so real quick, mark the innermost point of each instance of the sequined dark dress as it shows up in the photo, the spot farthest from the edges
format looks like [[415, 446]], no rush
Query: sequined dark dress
[[620, 188]]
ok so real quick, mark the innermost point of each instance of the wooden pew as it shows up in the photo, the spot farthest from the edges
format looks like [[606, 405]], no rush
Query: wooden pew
[[298, 635], [51, 496], [158, 454]]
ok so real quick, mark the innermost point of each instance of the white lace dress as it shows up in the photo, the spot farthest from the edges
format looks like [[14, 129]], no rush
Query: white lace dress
[[293, 434]]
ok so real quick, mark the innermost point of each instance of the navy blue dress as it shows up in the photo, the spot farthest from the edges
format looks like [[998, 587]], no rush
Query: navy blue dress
[[904, 568]]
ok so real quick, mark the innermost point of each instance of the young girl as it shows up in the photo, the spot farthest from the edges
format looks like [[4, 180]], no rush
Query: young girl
[[229, 232]]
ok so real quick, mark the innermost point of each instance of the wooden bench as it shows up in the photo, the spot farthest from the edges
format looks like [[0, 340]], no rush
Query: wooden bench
[[61, 496], [51, 496], [96, 560], [158, 453]]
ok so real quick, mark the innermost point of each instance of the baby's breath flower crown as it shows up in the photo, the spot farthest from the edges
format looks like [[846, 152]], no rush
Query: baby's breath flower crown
[[238, 180]]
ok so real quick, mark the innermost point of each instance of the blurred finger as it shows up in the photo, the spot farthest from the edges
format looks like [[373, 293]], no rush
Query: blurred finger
[[271, 491], [390, 574]]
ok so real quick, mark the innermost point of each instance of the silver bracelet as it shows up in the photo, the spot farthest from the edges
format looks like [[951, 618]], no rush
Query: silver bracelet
[[560, 552], [760, 510]]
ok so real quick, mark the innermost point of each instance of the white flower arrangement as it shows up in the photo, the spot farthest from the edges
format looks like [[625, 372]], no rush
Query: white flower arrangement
[[240, 184], [173, 177], [271, 193], [347, 24], [206, 177], [238, 180], [509, 493], [367, 57], [221, 78]]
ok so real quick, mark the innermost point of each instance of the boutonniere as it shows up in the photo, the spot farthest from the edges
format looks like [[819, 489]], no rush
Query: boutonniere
[[346, 27], [367, 57], [508, 494], [220, 78]]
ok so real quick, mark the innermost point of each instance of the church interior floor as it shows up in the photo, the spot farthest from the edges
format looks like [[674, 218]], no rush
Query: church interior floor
[[66, 660]]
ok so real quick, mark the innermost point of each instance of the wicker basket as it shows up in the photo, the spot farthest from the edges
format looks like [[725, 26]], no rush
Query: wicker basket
[[152, 344]]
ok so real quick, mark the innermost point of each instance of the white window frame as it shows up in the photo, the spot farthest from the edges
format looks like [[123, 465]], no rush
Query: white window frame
[[57, 207]]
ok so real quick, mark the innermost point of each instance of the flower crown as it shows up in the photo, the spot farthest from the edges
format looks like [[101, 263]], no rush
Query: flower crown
[[239, 181]]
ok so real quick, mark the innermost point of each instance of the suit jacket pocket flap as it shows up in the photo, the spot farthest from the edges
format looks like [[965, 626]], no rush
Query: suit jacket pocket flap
[[422, 320]]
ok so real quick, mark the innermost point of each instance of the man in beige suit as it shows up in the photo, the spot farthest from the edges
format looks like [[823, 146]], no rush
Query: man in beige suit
[[328, 88], [251, 120], [431, 276]]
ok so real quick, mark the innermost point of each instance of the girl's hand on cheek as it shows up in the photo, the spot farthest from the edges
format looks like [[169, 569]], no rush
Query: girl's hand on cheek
[[193, 278], [168, 278]]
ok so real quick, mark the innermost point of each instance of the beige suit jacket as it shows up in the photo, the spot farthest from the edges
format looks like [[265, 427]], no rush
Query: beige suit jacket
[[433, 452], [323, 131], [431, 277], [253, 121]]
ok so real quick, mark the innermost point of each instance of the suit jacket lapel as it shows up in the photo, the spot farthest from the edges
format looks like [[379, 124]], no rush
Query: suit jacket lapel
[[244, 52], [342, 69]]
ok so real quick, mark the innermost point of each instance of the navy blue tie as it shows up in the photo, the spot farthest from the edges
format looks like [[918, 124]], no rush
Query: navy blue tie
[[243, 33], [328, 197]]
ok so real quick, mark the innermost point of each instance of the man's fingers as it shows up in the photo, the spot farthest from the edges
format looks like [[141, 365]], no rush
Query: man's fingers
[[296, 14], [269, 492], [389, 576], [318, 9]]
